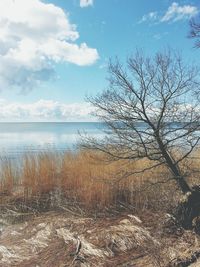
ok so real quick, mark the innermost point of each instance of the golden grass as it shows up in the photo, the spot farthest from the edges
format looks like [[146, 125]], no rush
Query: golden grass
[[82, 179]]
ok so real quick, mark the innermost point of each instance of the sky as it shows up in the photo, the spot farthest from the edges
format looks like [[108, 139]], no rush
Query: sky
[[54, 53]]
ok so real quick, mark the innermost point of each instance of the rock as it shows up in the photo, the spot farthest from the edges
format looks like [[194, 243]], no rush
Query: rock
[[171, 225], [196, 225], [134, 218]]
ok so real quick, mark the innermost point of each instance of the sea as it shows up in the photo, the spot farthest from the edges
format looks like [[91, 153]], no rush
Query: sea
[[19, 138], [32, 137]]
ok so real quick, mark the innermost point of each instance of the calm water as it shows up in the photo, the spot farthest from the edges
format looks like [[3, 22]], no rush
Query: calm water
[[17, 138]]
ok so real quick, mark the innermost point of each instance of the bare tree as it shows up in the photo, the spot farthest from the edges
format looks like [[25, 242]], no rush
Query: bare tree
[[195, 31], [151, 110]]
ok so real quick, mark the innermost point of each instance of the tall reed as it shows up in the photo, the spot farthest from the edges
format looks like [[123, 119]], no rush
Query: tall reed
[[84, 180]]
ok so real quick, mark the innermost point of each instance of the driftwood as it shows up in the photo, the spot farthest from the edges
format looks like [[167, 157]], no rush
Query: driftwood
[[76, 255]]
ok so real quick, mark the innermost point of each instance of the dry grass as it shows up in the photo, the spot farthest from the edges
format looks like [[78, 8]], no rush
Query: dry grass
[[80, 178]]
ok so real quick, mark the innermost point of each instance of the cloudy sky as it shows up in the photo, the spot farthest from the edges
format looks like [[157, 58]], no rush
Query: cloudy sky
[[54, 52]]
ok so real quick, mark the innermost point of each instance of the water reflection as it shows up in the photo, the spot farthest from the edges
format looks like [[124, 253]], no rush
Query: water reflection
[[17, 138]]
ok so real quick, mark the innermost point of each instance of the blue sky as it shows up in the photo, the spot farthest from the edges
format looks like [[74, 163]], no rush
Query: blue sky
[[54, 52]]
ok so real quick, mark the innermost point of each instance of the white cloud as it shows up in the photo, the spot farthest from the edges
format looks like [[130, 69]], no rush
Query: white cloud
[[149, 17], [157, 36], [45, 110], [85, 3], [176, 12], [33, 37]]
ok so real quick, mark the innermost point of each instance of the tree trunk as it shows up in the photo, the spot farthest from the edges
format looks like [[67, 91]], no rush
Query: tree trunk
[[188, 209], [183, 185], [173, 167], [189, 206]]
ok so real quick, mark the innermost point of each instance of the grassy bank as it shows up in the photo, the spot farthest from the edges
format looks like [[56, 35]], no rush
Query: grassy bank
[[85, 180]]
